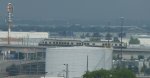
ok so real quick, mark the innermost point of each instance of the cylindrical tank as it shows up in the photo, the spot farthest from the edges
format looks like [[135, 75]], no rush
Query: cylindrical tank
[[76, 58]]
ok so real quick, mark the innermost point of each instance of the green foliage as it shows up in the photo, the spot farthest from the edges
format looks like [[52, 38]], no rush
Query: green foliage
[[134, 41], [96, 34], [116, 39], [116, 57], [115, 73], [122, 34], [108, 36], [124, 73], [140, 57], [133, 68], [82, 36], [87, 35], [132, 58], [95, 39]]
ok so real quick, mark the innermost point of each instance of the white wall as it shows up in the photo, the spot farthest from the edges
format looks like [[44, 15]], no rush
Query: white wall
[[76, 58], [4, 34]]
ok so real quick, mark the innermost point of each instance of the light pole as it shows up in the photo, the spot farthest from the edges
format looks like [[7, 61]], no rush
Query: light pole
[[67, 71]]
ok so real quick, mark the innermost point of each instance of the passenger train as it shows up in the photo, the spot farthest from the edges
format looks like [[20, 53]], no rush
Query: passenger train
[[73, 42]]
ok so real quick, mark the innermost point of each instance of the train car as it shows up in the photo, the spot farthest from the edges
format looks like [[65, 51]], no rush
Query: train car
[[71, 42], [60, 42]]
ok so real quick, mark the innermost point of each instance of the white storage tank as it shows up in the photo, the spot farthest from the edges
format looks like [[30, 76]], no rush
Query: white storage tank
[[76, 58]]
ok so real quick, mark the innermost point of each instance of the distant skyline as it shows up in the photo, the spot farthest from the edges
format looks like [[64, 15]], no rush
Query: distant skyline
[[78, 9]]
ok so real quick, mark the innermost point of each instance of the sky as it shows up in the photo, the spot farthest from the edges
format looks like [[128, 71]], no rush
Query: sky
[[78, 9]]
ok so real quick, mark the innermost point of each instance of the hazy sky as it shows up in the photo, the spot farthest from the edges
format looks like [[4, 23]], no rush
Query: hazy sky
[[78, 9]]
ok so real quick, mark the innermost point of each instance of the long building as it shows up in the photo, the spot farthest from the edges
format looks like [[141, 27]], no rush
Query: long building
[[4, 34], [69, 51], [76, 59], [23, 38]]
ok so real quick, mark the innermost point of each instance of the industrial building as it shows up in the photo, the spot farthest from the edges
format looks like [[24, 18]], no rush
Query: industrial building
[[76, 58], [34, 54], [28, 60], [22, 38], [3, 34]]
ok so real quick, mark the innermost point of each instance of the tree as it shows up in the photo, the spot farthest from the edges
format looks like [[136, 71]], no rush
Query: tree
[[108, 36], [124, 73], [87, 35], [114, 73], [132, 58], [134, 41], [96, 37], [82, 36], [97, 74], [96, 34], [122, 34], [116, 39], [133, 68], [140, 57]]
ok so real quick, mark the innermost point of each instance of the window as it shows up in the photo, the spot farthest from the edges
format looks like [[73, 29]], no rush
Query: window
[[103, 44], [78, 43], [59, 42], [45, 42], [86, 43]]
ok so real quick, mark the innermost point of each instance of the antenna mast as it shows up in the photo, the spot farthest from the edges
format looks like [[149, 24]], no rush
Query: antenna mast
[[9, 21]]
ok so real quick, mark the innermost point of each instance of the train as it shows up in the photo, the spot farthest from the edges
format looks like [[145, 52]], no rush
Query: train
[[78, 42]]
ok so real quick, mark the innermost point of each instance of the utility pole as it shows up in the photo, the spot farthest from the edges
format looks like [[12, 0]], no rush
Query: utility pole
[[87, 71], [108, 32], [121, 57], [87, 64], [122, 22], [67, 71]]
